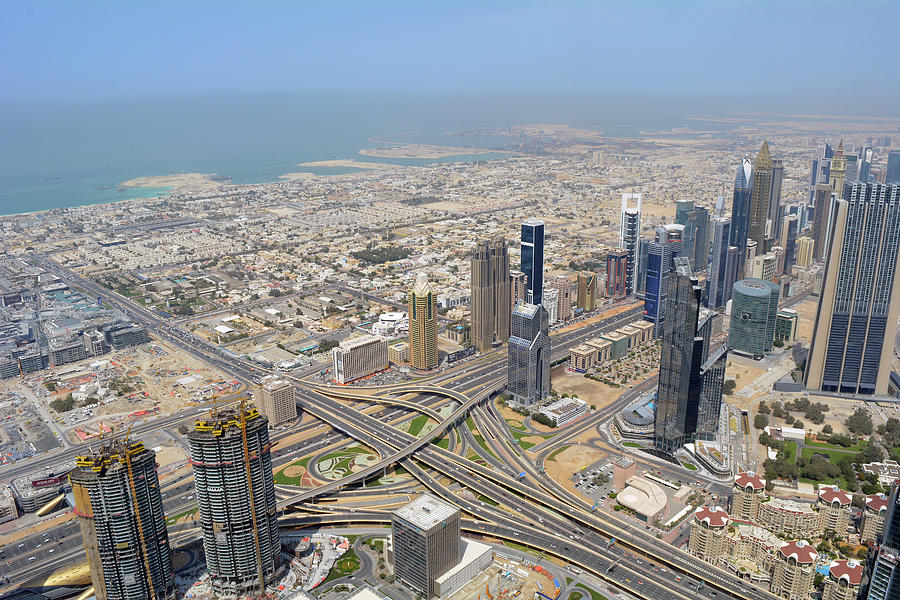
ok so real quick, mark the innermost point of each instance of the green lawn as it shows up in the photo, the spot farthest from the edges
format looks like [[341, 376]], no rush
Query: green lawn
[[484, 445], [632, 444], [594, 595], [790, 451], [345, 565], [689, 466], [280, 477], [854, 448], [514, 423], [417, 424], [487, 500], [470, 423], [443, 442], [525, 445], [833, 455], [174, 518], [556, 452]]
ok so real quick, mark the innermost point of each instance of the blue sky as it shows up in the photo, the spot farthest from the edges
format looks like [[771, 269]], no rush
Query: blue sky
[[101, 50]]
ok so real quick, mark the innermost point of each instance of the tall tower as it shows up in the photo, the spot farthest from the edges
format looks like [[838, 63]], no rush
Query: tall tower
[[629, 235], [724, 267], [232, 464], [123, 526], [753, 312], [892, 173], [660, 254], [616, 266], [426, 539], [533, 259], [740, 211], [884, 579], [860, 299], [760, 195], [696, 233], [528, 366], [823, 196], [588, 289], [689, 394], [788, 241], [276, 400], [423, 350], [490, 293], [838, 170]]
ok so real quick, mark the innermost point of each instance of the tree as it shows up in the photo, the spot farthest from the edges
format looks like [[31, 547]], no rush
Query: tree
[[859, 422], [62, 405], [728, 387], [760, 421], [764, 408], [182, 429], [827, 430]]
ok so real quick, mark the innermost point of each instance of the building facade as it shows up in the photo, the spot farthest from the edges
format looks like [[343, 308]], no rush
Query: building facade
[[747, 493], [805, 251], [629, 236], [359, 357], [725, 266], [754, 307], [824, 198], [489, 273], [588, 289], [740, 211], [873, 517], [786, 517], [123, 526], [843, 581], [616, 271], [528, 369], [760, 197], [563, 287], [786, 322], [533, 259], [426, 542], [696, 233], [834, 507], [860, 300], [423, 348], [708, 529], [661, 255], [792, 577], [232, 464]]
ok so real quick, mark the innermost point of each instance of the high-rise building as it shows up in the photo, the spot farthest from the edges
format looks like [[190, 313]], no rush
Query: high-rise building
[[696, 233], [490, 293], [776, 209], [517, 286], [123, 527], [616, 268], [821, 169], [562, 285], [588, 288], [232, 465], [660, 262], [764, 266], [276, 400], [754, 308], [792, 576], [747, 493], [707, 538], [860, 299], [359, 357], [551, 304], [760, 196], [805, 251], [629, 236], [423, 349], [426, 542], [528, 369], [788, 242], [838, 170], [689, 394], [892, 173], [533, 259], [865, 165], [740, 210], [884, 578], [843, 581], [725, 265], [824, 197]]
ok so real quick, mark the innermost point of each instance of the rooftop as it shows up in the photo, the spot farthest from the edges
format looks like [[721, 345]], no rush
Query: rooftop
[[800, 550], [426, 511], [849, 570], [749, 479], [714, 516]]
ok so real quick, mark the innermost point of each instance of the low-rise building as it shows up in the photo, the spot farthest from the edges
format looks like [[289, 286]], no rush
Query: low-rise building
[[602, 347], [708, 528], [888, 471], [786, 517], [8, 510], [843, 581], [619, 343], [873, 517], [66, 350], [786, 321], [398, 352], [476, 557], [748, 492], [624, 468], [565, 410], [834, 507], [359, 357], [645, 498], [793, 574], [582, 358], [646, 329]]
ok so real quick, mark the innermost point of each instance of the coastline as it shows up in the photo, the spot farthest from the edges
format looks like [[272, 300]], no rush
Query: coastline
[[187, 182], [425, 151]]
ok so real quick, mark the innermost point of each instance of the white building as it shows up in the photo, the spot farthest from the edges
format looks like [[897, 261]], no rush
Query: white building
[[565, 410], [359, 357], [476, 557], [551, 303]]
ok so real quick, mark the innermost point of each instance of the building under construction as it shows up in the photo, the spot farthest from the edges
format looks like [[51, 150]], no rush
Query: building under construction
[[232, 462], [123, 528]]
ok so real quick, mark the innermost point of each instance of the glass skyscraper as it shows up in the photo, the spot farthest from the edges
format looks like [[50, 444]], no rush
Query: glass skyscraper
[[754, 306], [629, 239], [740, 211], [689, 395], [533, 259], [884, 578], [660, 254], [725, 264], [853, 337]]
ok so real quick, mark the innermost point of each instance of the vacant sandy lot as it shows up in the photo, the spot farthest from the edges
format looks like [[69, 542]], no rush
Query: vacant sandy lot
[[576, 384]]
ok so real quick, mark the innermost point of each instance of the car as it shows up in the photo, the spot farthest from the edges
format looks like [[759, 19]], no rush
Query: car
[[30, 558]]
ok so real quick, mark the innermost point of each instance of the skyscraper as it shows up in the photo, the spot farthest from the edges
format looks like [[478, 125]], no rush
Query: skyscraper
[[821, 169], [123, 527], [725, 265], [528, 369], [696, 233], [629, 235], [232, 463], [892, 174], [788, 242], [760, 196], [740, 211], [276, 400], [884, 580], [864, 164], [838, 170], [805, 251], [563, 286], [824, 196], [423, 350], [853, 337], [533, 259], [616, 266], [754, 307], [660, 254], [588, 289], [689, 394], [490, 293], [426, 542], [775, 207], [517, 285]]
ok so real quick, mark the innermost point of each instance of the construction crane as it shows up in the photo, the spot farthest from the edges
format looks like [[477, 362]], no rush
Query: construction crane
[[243, 423], [137, 511]]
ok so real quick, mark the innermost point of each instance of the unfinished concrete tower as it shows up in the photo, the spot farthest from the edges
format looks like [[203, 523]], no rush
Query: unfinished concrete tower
[[232, 463], [123, 527]]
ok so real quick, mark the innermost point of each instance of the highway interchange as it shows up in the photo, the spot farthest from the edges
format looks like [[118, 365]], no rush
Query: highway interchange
[[533, 511]]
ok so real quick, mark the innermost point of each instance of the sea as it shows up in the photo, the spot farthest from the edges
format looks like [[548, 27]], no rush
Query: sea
[[62, 154]]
